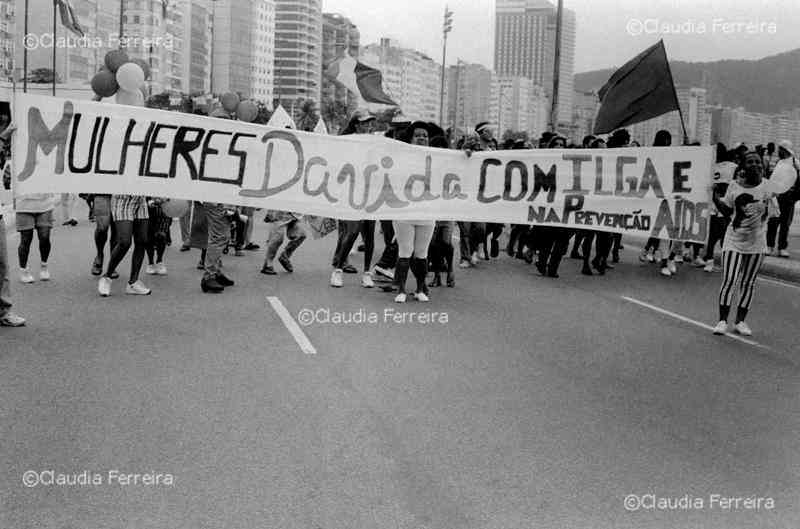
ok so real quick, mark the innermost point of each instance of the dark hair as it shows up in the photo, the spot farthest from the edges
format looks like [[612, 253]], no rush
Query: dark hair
[[438, 141], [722, 153], [588, 139], [619, 138], [770, 147], [596, 143], [663, 139]]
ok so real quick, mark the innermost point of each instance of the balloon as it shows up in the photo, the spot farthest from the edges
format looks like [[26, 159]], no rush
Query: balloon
[[114, 59], [130, 77], [132, 98], [175, 207], [143, 65], [247, 111], [104, 84], [230, 101]]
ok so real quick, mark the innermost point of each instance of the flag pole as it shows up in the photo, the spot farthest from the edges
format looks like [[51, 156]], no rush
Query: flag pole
[[55, 47], [675, 93], [556, 67], [25, 54]]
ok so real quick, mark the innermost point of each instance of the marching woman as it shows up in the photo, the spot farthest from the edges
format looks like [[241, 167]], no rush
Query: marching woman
[[414, 237], [158, 238], [132, 222], [749, 203]]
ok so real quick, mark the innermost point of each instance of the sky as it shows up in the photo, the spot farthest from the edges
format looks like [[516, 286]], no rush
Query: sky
[[609, 32]]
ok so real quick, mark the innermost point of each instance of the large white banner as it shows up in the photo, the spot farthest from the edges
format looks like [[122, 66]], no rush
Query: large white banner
[[80, 146]]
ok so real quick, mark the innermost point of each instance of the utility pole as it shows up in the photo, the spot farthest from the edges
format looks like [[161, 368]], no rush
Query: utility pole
[[556, 67], [446, 28]]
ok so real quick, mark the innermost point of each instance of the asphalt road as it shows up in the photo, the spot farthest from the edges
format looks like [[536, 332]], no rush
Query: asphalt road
[[537, 403]]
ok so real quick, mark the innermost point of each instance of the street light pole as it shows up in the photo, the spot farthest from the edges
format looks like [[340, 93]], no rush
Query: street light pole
[[448, 25], [556, 67]]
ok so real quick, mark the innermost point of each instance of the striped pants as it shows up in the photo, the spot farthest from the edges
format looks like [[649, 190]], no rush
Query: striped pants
[[741, 267]]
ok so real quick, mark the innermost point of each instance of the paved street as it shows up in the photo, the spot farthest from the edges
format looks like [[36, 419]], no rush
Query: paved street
[[538, 403]]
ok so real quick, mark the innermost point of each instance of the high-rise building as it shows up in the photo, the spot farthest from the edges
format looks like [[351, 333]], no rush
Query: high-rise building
[[197, 38], [525, 35], [584, 112], [244, 45], [518, 105], [7, 35], [736, 125], [410, 78], [298, 51], [469, 95], [339, 35]]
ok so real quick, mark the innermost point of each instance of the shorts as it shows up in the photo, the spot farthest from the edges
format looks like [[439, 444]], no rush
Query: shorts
[[128, 207], [29, 221], [101, 207]]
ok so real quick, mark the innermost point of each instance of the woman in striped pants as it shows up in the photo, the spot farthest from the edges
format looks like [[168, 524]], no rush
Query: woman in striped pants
[[749, 202]]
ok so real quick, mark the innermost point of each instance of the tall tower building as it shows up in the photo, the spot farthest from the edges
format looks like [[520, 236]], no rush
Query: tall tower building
[[298, 51], [7, 35], [469, 96], [525, 35], [244, 48], [339, 34]]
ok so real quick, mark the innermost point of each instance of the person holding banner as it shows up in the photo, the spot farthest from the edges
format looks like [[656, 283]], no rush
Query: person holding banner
[[750, 203], [414, 237], [552, 241], [360, 123], [7, 318], [34, 212], [131, 220]]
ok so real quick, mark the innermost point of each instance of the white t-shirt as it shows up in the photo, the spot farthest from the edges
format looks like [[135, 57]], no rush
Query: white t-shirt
[[748, 233]]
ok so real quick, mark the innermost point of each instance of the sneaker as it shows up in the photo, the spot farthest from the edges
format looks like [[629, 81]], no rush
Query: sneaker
[[137, 289], [224, 280], [185, 248], [783, 253], [770, 251], [721, 327], [678, 259], [651, 257], [385, 272], [251, 246], [709, 266], [150, 270], [743, 329], [672, 267], [161, 269], [643, 257], [699, 262], [104, 286], [9, 319], [97, 268], [26, 276], [44, 273], [474, 259], [422, 296], [336, 278], [464, 264], [400, 298], [268, 270], [665, 271], [201, 265], [366, 281]]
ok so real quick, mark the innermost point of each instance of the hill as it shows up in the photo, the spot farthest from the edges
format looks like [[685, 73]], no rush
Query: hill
[[769, 85]]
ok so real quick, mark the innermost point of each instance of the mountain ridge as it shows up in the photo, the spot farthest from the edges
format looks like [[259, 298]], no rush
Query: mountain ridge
[[769, 85]]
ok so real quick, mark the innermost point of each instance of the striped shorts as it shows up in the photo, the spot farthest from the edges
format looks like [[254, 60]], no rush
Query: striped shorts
[[128, 207], [742, 268]]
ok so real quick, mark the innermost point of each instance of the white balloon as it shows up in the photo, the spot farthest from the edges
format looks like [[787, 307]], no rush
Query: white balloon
[[130, 76], [130, 97]]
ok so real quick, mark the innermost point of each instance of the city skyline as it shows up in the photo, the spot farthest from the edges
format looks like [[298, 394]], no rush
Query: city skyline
[[598, 45]]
